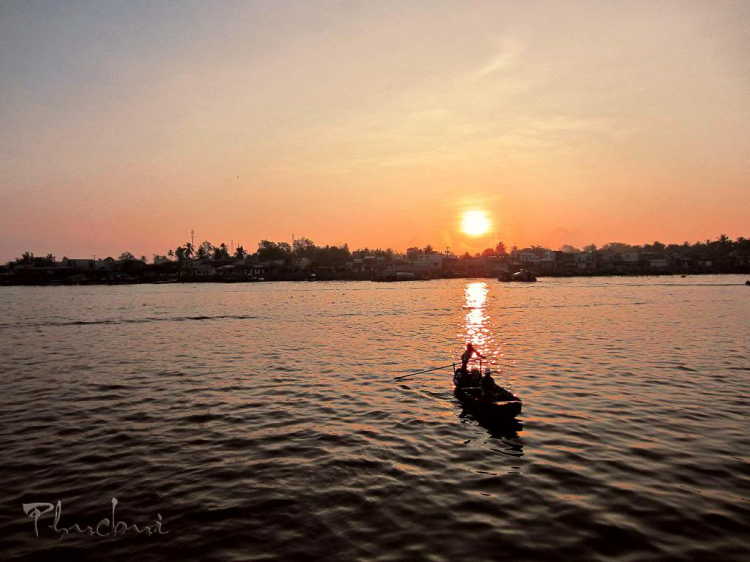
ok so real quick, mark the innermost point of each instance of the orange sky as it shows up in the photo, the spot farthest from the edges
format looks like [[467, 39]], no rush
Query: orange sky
[[125, 126]]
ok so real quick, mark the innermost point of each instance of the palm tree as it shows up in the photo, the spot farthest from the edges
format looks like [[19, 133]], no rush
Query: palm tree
[[180, 253], [222, 252], [189, 250], [240, 252]]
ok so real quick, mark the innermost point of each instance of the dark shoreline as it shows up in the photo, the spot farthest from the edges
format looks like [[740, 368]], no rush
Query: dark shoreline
[[295, 278]]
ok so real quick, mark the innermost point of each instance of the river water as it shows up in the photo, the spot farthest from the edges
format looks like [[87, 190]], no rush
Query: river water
[[262, 422]]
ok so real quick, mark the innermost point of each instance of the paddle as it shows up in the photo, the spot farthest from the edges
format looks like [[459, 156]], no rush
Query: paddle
[[420, 372]]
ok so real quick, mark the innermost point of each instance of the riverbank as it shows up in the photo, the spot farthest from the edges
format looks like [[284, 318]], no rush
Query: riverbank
[[35, 280]]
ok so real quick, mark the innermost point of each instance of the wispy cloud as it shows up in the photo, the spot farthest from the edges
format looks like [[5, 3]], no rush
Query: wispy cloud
[[511, 50]]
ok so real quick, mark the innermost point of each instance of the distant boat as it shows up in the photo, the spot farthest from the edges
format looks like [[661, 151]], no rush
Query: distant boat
[[524, 276], [391, 276]]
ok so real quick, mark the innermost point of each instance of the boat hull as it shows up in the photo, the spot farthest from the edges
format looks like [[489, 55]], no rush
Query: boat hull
[[502, 405]]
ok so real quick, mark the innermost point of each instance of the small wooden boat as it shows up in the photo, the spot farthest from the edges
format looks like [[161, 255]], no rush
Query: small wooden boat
[[498, 404]]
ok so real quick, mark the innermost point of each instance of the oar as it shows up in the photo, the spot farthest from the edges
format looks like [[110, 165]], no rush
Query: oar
[[420, 372]]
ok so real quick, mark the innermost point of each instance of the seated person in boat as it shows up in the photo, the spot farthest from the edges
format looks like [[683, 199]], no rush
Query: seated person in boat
[[468, 377], [488, 383]]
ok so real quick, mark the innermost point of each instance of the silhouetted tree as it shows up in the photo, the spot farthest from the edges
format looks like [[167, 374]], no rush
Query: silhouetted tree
[[240, 253], [272, 251], [412, 253], [222, 252], [126, 256], [617, 247], [206, 250], [388, 253], [26, 258], [656, 248], [304, 248], [332, 255]]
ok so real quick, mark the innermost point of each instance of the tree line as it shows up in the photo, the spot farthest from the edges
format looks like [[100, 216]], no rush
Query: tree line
[[304, 248]]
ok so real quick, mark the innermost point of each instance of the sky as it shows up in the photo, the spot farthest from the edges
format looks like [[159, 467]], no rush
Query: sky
[[125, 125]]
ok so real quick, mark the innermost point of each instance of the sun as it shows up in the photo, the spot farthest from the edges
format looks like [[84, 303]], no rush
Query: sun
[[475, 223]]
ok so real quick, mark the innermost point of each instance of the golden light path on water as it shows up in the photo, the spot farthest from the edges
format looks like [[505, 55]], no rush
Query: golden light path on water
[[478, 326]]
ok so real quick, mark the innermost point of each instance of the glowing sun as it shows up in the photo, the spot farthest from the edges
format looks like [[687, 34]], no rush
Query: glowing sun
[[475, 223]]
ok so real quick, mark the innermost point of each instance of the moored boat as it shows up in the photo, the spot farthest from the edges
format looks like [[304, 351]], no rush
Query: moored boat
[[524, 276]]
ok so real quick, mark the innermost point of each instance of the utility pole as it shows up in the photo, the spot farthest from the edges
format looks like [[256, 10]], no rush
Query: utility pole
[[192, 238]]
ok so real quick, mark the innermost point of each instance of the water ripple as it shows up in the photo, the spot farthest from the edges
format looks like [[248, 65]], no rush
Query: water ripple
[[263, 423]]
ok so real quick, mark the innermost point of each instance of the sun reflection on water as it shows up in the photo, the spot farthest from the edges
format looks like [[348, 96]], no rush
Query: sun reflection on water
[[478, 328]]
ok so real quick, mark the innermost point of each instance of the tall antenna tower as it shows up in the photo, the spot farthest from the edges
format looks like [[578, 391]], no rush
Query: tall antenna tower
[[192, 238]]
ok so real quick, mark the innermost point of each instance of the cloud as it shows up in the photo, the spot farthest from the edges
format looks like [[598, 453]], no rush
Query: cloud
[[510, 51]]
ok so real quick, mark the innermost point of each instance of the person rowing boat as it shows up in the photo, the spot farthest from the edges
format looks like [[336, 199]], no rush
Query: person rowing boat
[[463, 376], [466, 356]]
